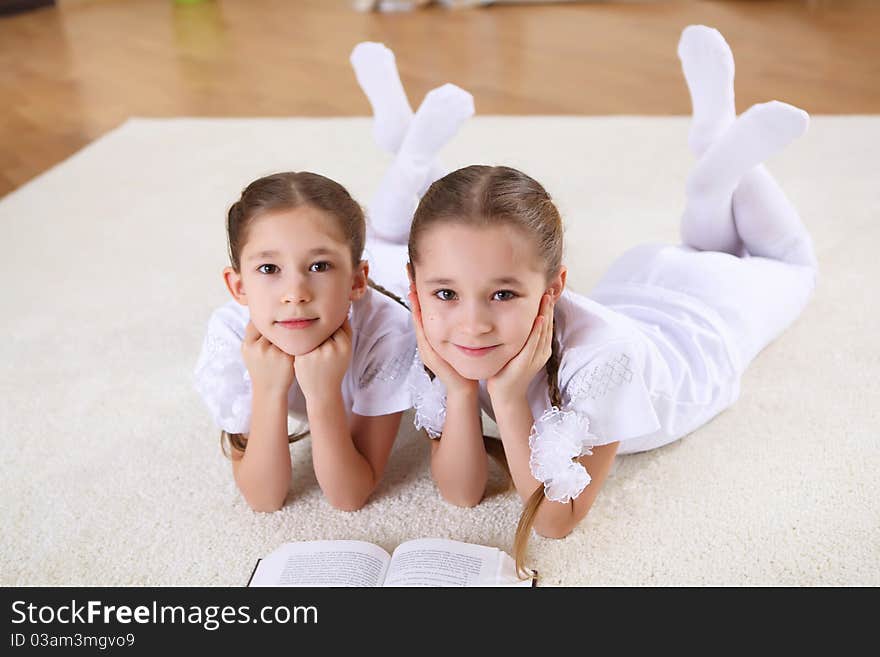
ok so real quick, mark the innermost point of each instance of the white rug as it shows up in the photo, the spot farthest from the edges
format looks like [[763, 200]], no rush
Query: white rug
[[112, 472]]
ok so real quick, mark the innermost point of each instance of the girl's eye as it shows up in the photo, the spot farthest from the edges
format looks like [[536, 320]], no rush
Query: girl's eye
[[268, 269], [504, 295], [319, 266], [445, 295]]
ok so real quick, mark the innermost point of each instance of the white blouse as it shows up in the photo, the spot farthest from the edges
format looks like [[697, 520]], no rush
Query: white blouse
[[383, 347], [644, 370]]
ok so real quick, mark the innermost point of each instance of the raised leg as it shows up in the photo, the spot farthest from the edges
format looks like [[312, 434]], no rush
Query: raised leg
[[708, 221], [437, 120]]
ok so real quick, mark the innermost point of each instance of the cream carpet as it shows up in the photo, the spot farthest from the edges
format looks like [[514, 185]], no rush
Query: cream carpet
[[111, 469]]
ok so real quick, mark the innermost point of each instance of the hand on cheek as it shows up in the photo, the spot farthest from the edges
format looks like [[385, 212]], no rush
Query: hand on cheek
[[453, 381], [512, 381]]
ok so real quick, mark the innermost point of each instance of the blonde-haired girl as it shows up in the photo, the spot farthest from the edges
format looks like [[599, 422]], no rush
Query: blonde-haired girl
[[655, 351]]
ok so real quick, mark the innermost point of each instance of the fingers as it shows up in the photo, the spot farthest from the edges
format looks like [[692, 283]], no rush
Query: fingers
[[547, 338], [546, 308], [426, 352], [339, 337], [346, 327], [541, 336], [417, 315], [414, 301], [537, 337], [548, 315], [251, 333], [540, 326]]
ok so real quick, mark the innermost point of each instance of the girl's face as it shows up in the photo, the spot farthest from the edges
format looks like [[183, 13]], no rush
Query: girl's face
[[296, 278], [480, 290]]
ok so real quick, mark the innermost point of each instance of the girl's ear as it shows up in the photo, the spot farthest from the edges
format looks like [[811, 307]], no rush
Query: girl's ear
[[235, 285], [557, 285], [359, 280], [411, 275]]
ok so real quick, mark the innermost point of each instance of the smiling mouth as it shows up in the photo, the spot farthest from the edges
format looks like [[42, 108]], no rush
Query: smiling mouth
[[297, 323], [481, 351]]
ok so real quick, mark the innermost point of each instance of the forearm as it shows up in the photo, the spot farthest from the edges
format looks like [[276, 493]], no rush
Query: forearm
[[553, 519], [263, 472], [459, 463], [343, 473], [514, 420]]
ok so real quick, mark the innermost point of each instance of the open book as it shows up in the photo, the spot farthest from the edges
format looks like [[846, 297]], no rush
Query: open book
[[420, 562]]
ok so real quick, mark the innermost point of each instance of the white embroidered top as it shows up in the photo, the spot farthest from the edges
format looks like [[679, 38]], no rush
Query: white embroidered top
[[383, 347], [621, 378]]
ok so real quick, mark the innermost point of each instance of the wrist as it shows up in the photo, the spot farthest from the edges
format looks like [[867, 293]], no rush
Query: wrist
[[463, 397], [330, 401], [270, 391], [506, 396], [464, 388]]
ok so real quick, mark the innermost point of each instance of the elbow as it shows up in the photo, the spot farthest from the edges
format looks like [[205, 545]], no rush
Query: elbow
[[260, 497], [553, 529], [464, 499], [268, 505], [556, 525], [261, 500], [348, 500], [342, 503], [352, 496], [465, 493]]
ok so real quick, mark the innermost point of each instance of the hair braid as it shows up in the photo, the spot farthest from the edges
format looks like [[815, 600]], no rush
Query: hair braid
[[552, 368], [388, 293], [530, 510], [238, 441]]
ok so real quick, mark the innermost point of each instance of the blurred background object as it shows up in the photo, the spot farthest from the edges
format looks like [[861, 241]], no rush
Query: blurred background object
[[17, 6], [72, 71]]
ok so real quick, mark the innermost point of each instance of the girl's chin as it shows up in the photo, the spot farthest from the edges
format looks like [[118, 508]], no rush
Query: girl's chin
[[297, 347], [473, 373]]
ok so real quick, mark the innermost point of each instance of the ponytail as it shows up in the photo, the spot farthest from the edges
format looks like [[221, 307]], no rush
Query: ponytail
[[388, 293], [530, 511], [238, 441]]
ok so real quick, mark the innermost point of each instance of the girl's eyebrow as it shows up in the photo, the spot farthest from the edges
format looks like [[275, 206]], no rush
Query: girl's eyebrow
[[505, 280], [272, 254], [263, 254]]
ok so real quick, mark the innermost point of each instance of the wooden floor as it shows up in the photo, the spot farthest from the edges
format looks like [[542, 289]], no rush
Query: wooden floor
[[69, 74]]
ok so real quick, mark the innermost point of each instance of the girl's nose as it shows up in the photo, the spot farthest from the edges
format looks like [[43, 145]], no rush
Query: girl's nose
[[297, 291], [476, 319]]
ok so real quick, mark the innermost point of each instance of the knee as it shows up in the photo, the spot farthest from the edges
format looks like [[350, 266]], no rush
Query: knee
[[465, 501]]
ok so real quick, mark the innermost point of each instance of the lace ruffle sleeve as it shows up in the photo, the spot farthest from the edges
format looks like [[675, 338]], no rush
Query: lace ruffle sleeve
[[428, 399], [221, 377], [557, 438]]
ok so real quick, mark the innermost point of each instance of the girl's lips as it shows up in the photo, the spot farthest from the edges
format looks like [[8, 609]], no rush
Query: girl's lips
[[476, 352], [298, 323]]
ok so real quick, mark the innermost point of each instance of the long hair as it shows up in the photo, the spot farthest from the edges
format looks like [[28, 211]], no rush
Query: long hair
[[482, 196]]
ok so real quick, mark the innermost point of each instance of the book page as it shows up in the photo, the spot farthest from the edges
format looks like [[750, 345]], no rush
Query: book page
[[442, 562], [323, 563]]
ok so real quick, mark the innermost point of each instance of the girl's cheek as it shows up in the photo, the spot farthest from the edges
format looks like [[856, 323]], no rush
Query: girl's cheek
[[433, 328]]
